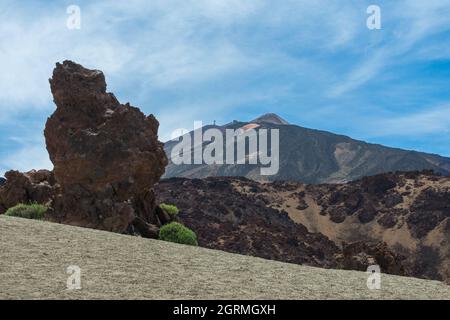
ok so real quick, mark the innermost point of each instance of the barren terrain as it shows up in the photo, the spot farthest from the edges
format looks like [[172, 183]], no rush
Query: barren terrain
[[35, 254]]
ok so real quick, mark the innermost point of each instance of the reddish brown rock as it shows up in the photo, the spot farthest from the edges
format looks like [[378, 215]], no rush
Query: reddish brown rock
[[93, 140], [429, 209], [29, 187], [361, 255], [106, 155]]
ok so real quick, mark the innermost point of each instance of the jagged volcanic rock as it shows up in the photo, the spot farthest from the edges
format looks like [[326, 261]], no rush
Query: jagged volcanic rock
[[360, 255], [106, 155], [32, 186]]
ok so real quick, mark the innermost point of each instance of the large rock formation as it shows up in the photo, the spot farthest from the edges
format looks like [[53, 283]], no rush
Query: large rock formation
[[106, 155]]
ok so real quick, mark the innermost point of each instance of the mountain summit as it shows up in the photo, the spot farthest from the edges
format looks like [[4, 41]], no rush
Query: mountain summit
[[271, 118]]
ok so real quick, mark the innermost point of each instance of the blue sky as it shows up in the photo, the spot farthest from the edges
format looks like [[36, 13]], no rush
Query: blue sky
[[315, 63]]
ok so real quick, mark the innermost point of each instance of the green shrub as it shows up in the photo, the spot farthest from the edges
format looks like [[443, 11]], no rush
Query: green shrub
[[176, 232], [29, 211], [170, 209]]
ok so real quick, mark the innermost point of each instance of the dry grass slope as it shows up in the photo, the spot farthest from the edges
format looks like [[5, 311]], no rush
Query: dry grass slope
[[35, 254]]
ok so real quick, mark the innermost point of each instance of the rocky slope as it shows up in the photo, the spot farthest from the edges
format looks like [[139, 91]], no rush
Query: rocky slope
[[312, 156], [115, 266], [229, 220], [399, 220]]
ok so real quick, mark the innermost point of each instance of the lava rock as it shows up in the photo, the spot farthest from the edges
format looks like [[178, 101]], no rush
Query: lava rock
[[360, 255], [29, 187], [243, 225], [106, 155], [338, 215]]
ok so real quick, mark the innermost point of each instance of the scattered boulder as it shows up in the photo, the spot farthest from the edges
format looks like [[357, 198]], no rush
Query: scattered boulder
[[393, 199], [388, 220], [338, 215], [360, 255], [429, 209], [29, 187], [367, 213], [378, 185]]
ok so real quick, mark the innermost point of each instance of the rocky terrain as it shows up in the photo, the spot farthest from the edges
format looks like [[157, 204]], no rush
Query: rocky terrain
[[115, 266], [311, 156], [227, 219], [398, 220], [33, 186]]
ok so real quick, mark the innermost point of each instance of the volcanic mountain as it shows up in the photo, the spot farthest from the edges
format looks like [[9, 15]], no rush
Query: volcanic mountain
[[310, 156]]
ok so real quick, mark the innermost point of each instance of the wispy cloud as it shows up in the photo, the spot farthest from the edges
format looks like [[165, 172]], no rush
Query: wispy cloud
[[28, 155], [406, 25], [432, 121]]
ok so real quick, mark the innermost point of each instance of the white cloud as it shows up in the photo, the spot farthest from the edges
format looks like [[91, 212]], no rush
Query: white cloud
[[188, 64], [434, 120], [27, 157], [410, 23], [222, 108], [167, 49], [360, 75]]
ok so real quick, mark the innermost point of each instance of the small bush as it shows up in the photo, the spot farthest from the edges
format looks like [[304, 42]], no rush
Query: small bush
[[176, 232], [28, 211], [170, 209]]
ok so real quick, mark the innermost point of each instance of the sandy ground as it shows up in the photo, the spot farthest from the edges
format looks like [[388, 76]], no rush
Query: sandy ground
[[34, 256]]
